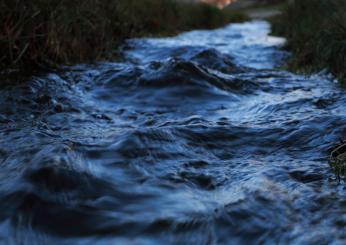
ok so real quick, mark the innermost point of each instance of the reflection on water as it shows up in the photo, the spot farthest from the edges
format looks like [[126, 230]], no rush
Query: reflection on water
[[195, 139]]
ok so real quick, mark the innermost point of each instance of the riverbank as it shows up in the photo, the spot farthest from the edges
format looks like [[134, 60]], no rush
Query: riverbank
[[316, 34], [36, 33]]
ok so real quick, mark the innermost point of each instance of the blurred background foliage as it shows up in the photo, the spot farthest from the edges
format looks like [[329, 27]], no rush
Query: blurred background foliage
[[40, 32], [316, 33]]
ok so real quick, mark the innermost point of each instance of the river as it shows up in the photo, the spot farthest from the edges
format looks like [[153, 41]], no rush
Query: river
[[193, 139]]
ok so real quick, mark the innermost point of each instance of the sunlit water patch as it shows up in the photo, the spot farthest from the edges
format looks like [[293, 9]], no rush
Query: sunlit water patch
[[194, 139]]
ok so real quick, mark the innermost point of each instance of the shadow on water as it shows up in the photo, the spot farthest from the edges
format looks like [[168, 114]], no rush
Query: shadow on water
[[195, 139]]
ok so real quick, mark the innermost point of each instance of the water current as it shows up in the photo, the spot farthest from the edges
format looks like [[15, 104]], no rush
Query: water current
[[193, 139]]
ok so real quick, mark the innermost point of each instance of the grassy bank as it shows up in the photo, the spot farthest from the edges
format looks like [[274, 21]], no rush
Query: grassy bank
[[40, 32], [316, 33]]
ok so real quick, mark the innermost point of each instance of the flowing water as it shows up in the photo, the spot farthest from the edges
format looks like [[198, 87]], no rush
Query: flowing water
[[194, 139]]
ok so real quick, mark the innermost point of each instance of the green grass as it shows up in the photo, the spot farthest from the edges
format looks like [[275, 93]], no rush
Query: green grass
[[41, 32], [316, 33]]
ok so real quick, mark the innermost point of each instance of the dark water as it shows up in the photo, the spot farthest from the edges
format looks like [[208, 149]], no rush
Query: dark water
[[195, 139]]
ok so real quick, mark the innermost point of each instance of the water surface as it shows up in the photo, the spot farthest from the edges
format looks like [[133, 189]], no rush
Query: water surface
[[194, 139]]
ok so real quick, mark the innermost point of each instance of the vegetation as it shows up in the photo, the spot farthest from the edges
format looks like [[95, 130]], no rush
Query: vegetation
[[40, 32], [338, 161], [316, 33]]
